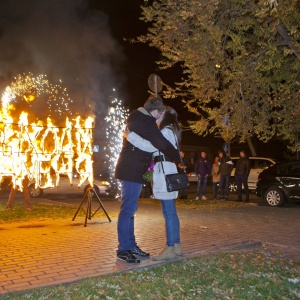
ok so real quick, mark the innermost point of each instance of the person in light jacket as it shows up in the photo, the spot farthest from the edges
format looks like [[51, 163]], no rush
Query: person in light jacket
[[215, 176], [169, 126]]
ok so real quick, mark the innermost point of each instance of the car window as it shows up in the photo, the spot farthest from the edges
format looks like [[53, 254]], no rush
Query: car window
[[263, 163], [294, 169], [283, 169], [291, 168], [256, 163]]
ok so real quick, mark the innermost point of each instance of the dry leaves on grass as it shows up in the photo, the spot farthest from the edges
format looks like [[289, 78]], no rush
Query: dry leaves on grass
[[234, 275]]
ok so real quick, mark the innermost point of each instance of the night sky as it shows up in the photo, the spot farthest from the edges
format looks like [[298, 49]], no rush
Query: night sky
[[139, 63], [140, 59]]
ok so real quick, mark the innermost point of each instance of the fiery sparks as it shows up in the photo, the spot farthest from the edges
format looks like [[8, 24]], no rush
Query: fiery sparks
[[42, 150], [28, 88], [116, 122]]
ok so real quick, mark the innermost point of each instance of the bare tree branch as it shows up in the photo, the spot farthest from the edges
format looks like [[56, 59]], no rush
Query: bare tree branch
[[289, 42]]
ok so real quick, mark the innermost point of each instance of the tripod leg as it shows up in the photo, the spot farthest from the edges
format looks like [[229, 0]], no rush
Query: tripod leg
[[89, 207], [87, 212], [90, 197], [83, 199], [86, 215], [101, 206]]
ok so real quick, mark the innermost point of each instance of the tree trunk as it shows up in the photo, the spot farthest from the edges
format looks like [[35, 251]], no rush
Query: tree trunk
[[253, 152]]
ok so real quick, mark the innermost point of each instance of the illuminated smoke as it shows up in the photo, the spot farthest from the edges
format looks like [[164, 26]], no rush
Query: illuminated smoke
[[65, 39]]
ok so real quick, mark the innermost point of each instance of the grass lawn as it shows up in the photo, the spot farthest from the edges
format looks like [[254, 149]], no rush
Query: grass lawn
[[39, 212], [53, 212], [241, 275]]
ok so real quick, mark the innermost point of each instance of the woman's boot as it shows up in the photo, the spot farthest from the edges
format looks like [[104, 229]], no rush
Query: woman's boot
[[178, 250], [168, 253]]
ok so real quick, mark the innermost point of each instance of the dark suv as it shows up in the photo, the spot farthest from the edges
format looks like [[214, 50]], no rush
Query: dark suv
[[279, 183]]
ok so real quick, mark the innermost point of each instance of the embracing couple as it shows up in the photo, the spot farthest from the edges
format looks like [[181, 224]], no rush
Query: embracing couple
[[152, 131]]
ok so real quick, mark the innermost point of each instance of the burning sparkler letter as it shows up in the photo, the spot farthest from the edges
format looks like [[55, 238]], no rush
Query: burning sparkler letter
[[42, 152]]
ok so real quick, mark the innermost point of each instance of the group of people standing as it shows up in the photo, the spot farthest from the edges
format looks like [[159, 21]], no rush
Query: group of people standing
[[221, 173]]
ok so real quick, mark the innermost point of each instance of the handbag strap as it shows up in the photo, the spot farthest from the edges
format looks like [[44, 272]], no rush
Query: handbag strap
[[176, 142], [162, 165]]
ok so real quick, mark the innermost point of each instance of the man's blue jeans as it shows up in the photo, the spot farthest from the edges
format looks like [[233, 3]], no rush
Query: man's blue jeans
[[171, 221], [224, 185], [129, 198], [202, 181]]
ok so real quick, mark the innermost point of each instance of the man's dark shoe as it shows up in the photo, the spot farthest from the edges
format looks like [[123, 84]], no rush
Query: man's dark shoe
[[128, 257], [139, 252], [238, 200]]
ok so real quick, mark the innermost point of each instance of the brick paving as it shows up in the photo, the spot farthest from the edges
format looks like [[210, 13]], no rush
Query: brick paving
[[37, 254]]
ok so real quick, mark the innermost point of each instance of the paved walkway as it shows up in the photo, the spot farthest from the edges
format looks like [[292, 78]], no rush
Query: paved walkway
[[37, 254]]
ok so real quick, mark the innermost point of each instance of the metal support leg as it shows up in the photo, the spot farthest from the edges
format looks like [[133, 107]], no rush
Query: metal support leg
[[88, 198]]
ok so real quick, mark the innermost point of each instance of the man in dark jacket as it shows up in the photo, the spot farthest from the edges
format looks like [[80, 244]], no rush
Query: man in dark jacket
[[131, 166], [182, 168], [203, 170], [241, 174], [226, 166]]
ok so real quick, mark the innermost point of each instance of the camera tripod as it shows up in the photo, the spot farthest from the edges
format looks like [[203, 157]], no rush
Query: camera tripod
[[88, 198]]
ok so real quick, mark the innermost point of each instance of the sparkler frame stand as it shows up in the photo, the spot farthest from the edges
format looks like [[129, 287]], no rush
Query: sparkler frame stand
[[88, 197]]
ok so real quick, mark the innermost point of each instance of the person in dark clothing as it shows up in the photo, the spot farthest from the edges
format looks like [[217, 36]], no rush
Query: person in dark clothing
[[181, 169], [241, 175], [226, 166], [131, 166], [203, 170]]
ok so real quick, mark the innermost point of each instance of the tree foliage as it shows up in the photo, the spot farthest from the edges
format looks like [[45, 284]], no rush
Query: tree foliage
[[240, 63]]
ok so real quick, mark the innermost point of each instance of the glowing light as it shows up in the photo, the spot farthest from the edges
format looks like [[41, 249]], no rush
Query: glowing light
[[29, 87], [35, 149], [29, 98], [115, 126], [42, 150]]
